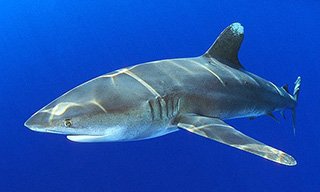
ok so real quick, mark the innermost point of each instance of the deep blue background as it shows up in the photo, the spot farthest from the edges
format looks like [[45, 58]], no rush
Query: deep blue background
[[48, 47]]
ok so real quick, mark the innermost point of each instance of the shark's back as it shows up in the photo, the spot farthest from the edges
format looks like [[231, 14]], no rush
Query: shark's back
[[199, 81]]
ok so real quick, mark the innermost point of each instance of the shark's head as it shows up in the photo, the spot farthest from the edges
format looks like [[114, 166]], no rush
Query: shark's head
[[63, 117], [95, 108]]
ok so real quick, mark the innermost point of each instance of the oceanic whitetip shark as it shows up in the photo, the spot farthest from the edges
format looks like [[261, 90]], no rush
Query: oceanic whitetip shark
[[156, 98]]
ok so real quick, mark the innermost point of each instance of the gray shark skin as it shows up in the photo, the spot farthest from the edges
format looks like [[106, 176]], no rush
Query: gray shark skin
[[156, 98]]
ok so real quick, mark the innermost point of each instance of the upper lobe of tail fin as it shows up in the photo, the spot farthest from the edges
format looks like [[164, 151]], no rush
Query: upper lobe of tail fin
[[297, 88], [296, 92]]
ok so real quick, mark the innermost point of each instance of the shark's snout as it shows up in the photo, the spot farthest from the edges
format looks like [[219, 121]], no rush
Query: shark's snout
[[36, 121], [40, 122]]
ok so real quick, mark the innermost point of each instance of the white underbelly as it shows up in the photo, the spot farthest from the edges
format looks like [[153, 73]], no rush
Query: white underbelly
[[118, 134]]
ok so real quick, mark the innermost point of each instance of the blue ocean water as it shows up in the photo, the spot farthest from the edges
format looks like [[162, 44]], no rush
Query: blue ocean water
[[48, 47]]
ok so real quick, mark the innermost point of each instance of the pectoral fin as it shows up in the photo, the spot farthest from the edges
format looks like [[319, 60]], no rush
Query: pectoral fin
[[218, 130]]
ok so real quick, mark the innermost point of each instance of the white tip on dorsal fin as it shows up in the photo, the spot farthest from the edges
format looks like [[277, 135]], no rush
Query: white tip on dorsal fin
[[226, 47]]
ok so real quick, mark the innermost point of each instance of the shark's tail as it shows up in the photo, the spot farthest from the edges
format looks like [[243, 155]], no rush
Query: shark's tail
[[296, 92]]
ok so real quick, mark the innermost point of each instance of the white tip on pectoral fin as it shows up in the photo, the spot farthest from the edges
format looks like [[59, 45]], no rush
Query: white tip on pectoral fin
[[216, 129]]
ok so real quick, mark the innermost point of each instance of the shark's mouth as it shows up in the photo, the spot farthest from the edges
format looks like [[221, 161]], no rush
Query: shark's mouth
[[44, 130]]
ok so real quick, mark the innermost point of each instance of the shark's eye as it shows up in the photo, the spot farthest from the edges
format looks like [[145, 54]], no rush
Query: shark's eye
[[67, 122]]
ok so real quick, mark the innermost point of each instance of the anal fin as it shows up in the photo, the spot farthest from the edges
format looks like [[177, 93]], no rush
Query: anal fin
[[218, 130]]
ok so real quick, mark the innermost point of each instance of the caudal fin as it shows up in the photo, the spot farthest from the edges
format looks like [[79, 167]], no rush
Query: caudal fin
[[296, 92], [297, 88]]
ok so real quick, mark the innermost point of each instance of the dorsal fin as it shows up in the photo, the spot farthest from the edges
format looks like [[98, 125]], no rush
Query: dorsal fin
[[286, 88], [226, 47]]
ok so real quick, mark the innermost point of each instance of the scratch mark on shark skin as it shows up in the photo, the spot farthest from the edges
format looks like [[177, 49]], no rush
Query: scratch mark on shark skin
[[214, 61], [234, 75], [145, 84], [180, 66], [163, 70], [113, 75], [112, 81], [210, 71], [94, 102], [227, 70], [255, 82], [118, 72], [59, 109], [276, 88]]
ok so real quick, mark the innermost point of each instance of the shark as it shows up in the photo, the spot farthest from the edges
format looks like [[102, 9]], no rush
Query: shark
[[152, 99]]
